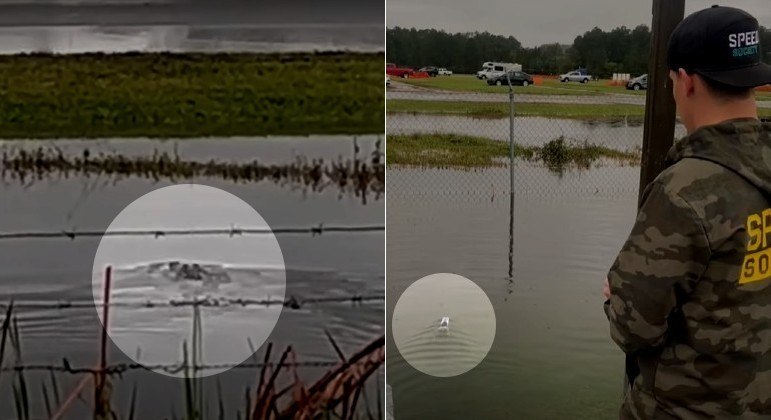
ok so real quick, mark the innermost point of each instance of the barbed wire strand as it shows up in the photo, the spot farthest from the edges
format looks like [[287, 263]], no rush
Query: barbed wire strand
[[291, 302], [233, 231]]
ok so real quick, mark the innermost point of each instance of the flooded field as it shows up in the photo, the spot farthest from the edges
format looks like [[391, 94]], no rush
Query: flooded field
[[267, 38], [275, 149], [65, 26], [552, 356], [58, 270], [530, 131]]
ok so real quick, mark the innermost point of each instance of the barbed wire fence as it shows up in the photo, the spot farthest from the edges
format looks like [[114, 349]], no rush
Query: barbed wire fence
[[14, 309], [291, 302], [232, 231]]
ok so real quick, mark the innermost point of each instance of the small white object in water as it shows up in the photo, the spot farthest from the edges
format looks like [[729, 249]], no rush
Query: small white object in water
[[444, 325]]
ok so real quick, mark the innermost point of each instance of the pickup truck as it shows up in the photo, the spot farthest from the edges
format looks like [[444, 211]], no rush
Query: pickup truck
[[575, 76], [393, 70], [444, 72]]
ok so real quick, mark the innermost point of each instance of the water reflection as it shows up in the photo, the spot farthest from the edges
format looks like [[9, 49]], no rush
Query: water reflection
[[552, 357], [443, 324]]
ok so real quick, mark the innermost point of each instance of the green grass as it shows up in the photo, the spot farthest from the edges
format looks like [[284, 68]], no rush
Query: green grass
[[559, 154], [190, 95], [469, 83], [601, 86], [446, 150], [466, 152], [597, 87], [593, 112], [633, 114]]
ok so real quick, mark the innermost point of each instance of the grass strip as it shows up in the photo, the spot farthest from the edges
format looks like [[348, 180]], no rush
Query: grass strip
[[466, 152], [190, 95], [633, 114], [466, 83], [469, 83]]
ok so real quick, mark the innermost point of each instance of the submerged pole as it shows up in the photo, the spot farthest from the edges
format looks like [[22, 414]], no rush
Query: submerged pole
[[511, 182]]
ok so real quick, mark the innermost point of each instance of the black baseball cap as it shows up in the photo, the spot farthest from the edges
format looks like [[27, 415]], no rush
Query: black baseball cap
[[721, 44]]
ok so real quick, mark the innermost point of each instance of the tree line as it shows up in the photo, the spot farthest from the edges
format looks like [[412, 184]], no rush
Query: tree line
[[621, 50]]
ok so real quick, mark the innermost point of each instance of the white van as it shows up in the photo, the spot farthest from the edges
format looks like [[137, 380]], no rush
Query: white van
[[492, 69]]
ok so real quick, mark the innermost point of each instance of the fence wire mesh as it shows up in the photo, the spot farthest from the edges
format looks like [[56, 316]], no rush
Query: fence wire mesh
[[449, 137]]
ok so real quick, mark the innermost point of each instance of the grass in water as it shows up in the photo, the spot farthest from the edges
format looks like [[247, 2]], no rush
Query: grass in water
[[445, 150], [466, 152], [190, 95], [589, 112], [336, 391], [559, 154]]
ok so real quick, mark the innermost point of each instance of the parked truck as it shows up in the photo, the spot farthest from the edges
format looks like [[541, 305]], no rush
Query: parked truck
[[578, 75], [491, 69], [393, 70]]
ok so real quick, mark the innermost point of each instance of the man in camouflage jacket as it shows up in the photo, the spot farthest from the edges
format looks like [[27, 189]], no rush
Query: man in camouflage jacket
[[689, 295]]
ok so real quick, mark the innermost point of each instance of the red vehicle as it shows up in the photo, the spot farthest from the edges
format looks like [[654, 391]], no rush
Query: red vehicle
[[394, 71]]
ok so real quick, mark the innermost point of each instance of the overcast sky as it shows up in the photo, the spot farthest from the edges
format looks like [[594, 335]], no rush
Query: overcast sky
[[536, 22]]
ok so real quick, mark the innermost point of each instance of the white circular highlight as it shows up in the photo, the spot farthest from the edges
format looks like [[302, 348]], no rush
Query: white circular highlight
[[166, 269], [443, 325]]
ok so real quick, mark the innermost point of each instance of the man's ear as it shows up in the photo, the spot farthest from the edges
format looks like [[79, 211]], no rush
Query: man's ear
[[688, 82]]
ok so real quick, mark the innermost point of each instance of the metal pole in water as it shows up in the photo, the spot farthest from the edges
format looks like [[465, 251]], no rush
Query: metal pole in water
[[511, 134], [511, 186]]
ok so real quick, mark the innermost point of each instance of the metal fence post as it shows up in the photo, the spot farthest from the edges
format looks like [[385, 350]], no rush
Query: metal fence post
[[511, 180], [511, 136]]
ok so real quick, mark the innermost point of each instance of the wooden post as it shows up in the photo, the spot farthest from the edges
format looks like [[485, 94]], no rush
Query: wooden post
[[106, 315], [660, 116], [100, 410], [659, 131], [101, 401]]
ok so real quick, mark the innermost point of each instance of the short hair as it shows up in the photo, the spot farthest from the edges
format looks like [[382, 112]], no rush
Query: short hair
[[727, 92]]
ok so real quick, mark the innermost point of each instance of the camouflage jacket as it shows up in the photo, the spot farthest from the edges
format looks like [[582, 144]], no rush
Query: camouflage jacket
[[691, 288]]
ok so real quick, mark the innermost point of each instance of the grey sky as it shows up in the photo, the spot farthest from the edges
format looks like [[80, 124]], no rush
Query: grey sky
[[535, 22]]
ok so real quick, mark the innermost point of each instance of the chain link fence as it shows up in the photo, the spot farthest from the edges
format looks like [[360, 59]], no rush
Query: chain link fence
[[458, 203], [450, 137]]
